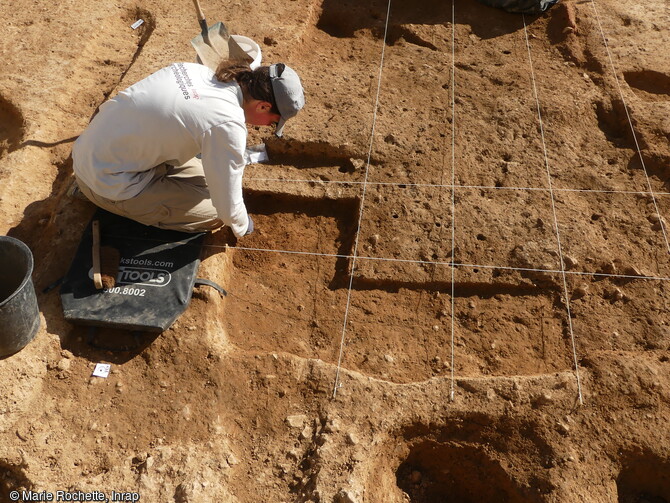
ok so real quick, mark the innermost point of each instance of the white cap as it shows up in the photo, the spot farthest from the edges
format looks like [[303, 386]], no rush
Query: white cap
[[288, 93]]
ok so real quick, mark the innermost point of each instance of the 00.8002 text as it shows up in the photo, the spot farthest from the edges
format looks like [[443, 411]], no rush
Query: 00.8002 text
[[127, 290]]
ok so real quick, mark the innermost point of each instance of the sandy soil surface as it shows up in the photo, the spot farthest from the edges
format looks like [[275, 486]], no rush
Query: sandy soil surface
[[478, 307]]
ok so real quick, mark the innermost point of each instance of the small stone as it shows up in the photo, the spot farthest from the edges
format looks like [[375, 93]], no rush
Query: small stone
[[332, 426], [544, 398], [357, 164], [632, 271], [614, 294], [570, 262], [374, 239], [301, 307], [358, 456], [436, 328], [580, 292], [472, 304], [608, 268], [352, 439], [345, 497], [186, 412], [388, 358], [64, 364], [232, 460], [562, 428], [296, 421], [658, 223], [306, 433], [389, 138]]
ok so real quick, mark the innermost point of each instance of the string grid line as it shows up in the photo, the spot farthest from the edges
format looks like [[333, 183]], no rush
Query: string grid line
[[453, 195], [362, 204], [553, 209], [449, 263], [415, 261]]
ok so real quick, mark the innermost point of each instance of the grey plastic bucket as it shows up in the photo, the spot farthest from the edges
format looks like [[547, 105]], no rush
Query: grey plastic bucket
[[19, 315]]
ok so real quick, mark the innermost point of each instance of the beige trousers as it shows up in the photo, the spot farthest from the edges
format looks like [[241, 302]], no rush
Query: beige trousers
[[177, 198]]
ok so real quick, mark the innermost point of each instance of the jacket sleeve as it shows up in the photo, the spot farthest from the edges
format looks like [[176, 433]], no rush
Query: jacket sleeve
[[223, 148]]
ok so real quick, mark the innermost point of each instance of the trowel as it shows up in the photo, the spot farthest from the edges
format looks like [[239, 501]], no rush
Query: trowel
[[214, 44]]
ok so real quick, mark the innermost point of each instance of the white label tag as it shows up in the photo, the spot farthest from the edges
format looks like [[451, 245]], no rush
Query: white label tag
[[137, 24], [256, 154], [102, 369]]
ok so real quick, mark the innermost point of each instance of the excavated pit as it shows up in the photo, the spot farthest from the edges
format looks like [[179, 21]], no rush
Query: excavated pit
[[446, 473], [644, 478], [471, 458]]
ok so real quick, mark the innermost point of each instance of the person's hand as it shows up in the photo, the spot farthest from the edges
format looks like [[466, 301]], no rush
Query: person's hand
[[250, 227]]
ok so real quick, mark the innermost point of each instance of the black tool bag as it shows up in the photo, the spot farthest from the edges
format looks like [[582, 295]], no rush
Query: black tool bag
[[521, 6], [155, 279]]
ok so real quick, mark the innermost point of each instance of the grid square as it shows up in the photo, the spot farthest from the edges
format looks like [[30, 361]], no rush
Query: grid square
[[499, 144], [300, 223], [403, 333], [307, 314], [597, 154], [612, 314], [508, 228], [390, 334], [533, 322], [412, 130], [611, 233], [403, 231]]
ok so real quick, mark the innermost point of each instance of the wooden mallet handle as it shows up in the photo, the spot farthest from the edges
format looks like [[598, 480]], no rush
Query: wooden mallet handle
[[201, 16], [97, 276]]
